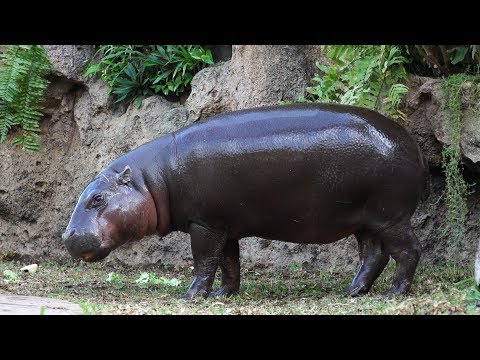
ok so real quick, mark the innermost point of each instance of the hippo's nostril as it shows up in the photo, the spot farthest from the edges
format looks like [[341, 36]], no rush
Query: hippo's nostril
[[68, 234]]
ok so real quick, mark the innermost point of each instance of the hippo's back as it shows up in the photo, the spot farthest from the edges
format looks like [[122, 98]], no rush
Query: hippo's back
[[309, 170]]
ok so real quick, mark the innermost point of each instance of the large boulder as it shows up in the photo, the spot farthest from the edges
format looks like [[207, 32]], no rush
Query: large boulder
[[428, 120], [69, 60], [255, 76]]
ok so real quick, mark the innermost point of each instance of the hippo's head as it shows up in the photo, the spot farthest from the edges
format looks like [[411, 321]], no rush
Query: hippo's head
[[114, 208]]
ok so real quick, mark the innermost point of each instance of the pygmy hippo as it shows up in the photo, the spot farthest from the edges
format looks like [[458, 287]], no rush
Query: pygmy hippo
[[302, 173]]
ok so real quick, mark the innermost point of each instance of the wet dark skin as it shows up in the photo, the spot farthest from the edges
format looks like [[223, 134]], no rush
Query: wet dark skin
[[304, 173]]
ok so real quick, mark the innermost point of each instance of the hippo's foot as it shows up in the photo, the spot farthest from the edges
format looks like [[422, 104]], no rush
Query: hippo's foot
[[230, 265], [207, 246], [355, 290], [403, 246], [225, 291], [201, 286], [398, 289], [373, 259]]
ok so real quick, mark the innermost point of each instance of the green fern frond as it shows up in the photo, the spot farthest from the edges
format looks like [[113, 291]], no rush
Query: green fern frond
[[364, 75], [395, 94], [10, 71], [134, 72], [22, 89]]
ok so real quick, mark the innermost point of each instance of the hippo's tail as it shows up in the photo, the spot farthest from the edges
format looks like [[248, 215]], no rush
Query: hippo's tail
[[426, 179]]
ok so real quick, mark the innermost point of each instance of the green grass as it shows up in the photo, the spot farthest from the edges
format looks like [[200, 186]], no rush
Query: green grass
[[445, 289]]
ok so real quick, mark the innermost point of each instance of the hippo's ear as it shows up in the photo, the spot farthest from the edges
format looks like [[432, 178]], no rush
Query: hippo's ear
[[125, 176]]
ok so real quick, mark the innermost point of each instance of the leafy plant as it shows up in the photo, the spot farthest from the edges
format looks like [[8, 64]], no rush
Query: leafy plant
[[88, 308], [134, 72], [22, 88], [167, 264], [473, 294], [456, 189], [370, 76], [10, 276], [294, 267], [151, 279], [115, 280], [447, 59], [113, 277], [472, 297]]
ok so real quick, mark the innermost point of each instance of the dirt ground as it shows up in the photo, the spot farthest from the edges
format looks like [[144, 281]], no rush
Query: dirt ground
[[105, 289]]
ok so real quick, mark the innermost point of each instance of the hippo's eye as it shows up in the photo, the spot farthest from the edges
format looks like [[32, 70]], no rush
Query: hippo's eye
[[97, 200]]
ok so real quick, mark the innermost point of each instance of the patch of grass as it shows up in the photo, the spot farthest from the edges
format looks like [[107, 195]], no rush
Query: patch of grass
[[445, 289]]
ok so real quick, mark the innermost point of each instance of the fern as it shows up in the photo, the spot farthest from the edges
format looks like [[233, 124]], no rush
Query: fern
[[368, 76], [22, 89], [134, 72], [10, 70]]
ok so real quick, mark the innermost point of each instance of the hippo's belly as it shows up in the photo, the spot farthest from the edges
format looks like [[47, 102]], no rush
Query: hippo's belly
[[289, 195]]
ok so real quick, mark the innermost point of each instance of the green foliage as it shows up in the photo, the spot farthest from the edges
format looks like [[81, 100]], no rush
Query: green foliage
[[147, 279], [370, 76], [88, 308], [456, 189], [457, 54], [115, 280], [444, 59], [134, 72], [167, 264], [113, 277], [294, 267], [22, 88], [9, 276], [472, 297], [465, 53]]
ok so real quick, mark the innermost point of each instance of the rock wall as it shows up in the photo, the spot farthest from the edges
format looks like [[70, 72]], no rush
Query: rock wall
[[83, 130]]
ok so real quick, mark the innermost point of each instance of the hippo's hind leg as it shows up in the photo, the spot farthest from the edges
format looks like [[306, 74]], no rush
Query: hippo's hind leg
[[402, 244], [230, 266], [373, 259], [207, 247]]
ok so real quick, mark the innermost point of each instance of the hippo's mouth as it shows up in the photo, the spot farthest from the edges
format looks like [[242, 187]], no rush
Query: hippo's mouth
[[92, 256]]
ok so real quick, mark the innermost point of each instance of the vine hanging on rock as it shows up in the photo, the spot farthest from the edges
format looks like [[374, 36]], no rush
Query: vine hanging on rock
[[456, 189], [22, 88]]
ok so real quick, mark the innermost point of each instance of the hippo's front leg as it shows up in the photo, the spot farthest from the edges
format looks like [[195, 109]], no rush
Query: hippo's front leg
[[207, 247], [230, 265]]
